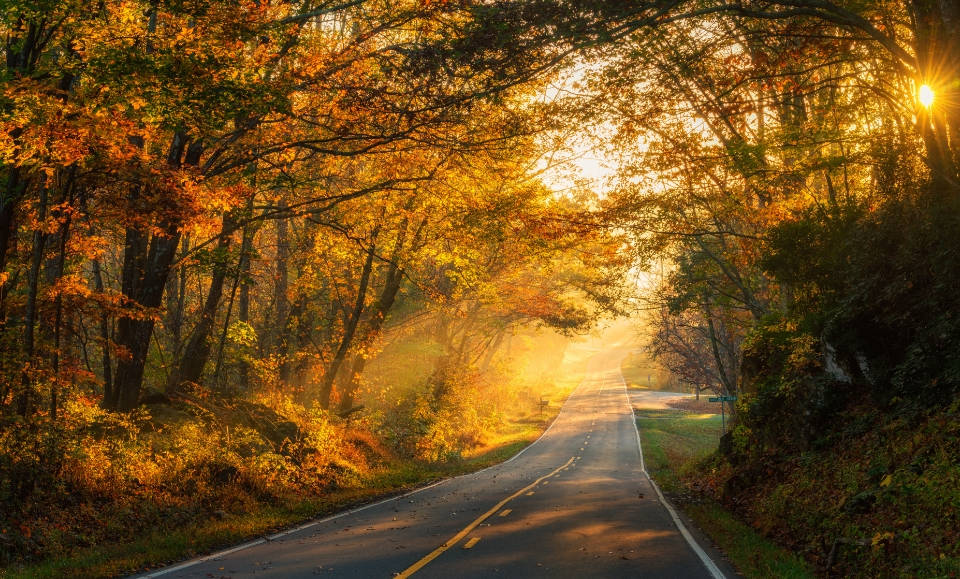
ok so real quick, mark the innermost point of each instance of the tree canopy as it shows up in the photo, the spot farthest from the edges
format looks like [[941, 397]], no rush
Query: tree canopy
[[232, 203]]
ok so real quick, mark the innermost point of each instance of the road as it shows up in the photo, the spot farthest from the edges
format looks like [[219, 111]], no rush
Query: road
[[574, 504]]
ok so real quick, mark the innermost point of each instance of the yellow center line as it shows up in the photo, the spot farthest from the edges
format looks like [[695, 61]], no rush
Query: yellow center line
[[505, 512], [466, 530], [469, 544]]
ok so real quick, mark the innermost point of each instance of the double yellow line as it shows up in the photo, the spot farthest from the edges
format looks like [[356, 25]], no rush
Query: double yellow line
[[466, 530]]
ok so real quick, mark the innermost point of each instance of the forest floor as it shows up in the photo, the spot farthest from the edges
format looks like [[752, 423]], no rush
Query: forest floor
[[879, 495], [223, 526]]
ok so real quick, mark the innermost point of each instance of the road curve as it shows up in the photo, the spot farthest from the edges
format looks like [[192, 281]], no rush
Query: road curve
[[576, 503]]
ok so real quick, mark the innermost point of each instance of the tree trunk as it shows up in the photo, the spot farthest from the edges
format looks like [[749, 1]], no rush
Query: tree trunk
[[58, 315], [388, 296], [294, 332], [243, 301], [223, 335], [937, 46], [9, 197], [197, 351], [26, 394], [23, 44], [104, 336], [349, 328], [176, 300], [492, 349], [133, 334], [281, 306], [729, 387], [146, 266], [246, 242]]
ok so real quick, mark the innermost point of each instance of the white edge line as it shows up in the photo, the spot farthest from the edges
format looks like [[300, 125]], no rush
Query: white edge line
[[269, 538], [704, 558]]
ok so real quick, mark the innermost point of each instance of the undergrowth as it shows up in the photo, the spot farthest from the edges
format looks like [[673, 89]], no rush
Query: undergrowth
[[881, 497], [101, 494]]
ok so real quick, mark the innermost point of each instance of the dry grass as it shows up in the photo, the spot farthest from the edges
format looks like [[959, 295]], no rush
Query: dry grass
[[695, 406]]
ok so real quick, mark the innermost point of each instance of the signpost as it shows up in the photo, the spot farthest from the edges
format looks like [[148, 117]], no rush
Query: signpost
[[723, 415]]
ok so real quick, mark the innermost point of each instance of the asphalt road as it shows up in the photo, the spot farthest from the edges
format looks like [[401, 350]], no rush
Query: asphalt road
[[574, 504]]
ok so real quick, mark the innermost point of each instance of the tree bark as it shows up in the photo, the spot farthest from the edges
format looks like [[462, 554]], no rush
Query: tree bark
[[197, 351], [243, 301], [349, 328], [104, 336], [176, 300], [23, 47], [492, 349], [64, 234], [146, 266], [26, 394], [9, 198], [281, 305], [729, 386], [388, 296], [223, 333]]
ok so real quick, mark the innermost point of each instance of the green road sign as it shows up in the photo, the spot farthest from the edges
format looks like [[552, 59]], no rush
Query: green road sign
[[722, 398]]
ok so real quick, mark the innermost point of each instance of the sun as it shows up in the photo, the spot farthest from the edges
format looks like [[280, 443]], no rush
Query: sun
[[925, 95]]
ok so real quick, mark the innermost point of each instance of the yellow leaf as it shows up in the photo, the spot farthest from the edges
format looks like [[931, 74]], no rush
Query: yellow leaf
[[886, 480], [881, 538]]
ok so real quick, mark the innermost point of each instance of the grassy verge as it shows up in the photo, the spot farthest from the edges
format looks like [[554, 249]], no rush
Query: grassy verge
[[673, 442], [172, 545]]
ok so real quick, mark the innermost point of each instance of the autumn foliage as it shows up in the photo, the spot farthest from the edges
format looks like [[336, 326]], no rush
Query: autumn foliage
[[216, 215], [253, 251]]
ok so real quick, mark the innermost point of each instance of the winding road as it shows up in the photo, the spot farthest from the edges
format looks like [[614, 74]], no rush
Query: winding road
[[577, 503]]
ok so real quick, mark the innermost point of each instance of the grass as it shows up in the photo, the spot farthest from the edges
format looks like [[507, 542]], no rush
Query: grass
[[750, 552], [238, 514], [673, 443], [173, 545], [640, 373]]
